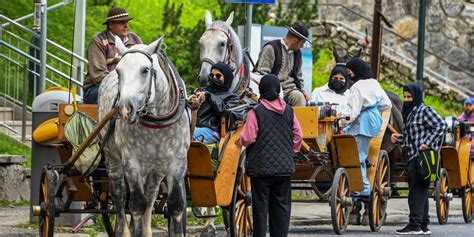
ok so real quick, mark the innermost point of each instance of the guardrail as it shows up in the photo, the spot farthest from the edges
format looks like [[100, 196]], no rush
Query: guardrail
[[389, 42], [20, 76]]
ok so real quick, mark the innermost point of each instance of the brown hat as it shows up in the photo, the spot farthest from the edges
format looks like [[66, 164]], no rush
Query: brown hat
[[117, 14], [299, 31]]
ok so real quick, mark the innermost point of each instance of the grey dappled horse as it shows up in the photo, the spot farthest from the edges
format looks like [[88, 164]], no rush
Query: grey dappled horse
[[143, 82], [396, 120], [220, 43]]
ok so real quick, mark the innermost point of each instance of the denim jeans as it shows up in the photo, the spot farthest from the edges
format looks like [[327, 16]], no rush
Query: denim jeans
[[205, 135], [363, 145], [91, 95]]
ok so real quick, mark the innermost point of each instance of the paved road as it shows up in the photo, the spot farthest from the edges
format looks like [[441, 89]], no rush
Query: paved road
[[308, 219]]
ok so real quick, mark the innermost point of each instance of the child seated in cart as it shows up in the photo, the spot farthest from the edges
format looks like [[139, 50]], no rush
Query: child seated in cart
[[365, 102], [213, 99]]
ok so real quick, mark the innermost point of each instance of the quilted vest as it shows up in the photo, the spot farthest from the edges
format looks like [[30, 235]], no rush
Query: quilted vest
[[272, 152]]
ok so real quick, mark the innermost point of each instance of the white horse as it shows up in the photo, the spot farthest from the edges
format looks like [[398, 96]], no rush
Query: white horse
[[150, 140], [220, 43]]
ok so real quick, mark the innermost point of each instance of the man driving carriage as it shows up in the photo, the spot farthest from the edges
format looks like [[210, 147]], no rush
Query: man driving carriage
[[213, 100], [468, 116], [102, 53], [283, 58]]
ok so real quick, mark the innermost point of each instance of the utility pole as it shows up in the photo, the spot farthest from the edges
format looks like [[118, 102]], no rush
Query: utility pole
[[79, 35], [377, 32], [421, 45], [44, 29], [248, 32]]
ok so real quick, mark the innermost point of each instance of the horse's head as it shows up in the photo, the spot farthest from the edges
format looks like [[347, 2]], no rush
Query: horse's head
[[219, 43], [342, 59], [138, 74]]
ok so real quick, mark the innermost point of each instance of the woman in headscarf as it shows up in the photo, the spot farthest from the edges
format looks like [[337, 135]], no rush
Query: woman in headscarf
[[335, 91], [423, 129], [214, 99], [272, 134], [366, 101]]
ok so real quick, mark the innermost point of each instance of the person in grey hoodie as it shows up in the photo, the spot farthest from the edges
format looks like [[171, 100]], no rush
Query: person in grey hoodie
[[272, 134]]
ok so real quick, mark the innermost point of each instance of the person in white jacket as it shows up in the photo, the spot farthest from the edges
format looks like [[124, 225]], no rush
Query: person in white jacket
[[335, 91], [366, 101]]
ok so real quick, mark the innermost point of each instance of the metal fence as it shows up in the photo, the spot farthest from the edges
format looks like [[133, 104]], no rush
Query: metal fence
[[392, 43], [20, 74]]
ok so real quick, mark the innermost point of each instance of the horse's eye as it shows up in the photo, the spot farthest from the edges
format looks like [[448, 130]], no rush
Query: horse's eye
[[222, 44], [145, 70]]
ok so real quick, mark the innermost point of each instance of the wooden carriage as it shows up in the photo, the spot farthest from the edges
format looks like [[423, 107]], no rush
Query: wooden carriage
[[226, 185], [329, 163], [61, 185], [456, 177]]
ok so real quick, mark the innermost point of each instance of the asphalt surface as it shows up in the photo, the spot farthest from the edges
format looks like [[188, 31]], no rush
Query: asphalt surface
[[309, 218]]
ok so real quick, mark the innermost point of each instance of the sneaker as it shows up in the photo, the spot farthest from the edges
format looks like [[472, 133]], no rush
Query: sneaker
[[410, 230], [425, 230]]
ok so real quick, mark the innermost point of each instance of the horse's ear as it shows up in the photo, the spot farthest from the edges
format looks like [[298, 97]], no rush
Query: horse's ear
[[336, 56], [359, 52], [120, 46], [208, 18], [230, 19], [154, 47]]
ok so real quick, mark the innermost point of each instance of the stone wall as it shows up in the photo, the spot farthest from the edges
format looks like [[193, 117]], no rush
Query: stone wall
[[393, 69], [14, 179], [449, 34]]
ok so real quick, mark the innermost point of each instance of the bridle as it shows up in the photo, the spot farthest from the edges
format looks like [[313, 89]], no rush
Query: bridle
[[148, 119], [228, 52]]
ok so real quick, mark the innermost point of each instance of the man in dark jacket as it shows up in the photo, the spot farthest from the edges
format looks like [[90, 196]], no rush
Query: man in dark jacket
[[272, 134], [283, 58], [214, 99]]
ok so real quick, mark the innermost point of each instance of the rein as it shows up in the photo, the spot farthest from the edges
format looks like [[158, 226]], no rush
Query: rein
[[148, 119]]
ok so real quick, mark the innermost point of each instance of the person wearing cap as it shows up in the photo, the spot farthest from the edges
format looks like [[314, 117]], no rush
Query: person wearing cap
[[283, 58], [213, 99], [102, 54], [269, 162], [468, 117], [335, 91]]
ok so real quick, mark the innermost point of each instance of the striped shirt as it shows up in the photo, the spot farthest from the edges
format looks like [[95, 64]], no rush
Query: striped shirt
[[424, 126]]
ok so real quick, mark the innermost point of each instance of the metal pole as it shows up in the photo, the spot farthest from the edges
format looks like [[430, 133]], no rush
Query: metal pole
[[248, 32], [25, 95], [26, 17], [376, 39], [44, 29], [421, 45], [79, 36]]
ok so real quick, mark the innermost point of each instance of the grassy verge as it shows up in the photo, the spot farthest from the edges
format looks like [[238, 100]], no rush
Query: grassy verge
[[4, 203], [9, 146]]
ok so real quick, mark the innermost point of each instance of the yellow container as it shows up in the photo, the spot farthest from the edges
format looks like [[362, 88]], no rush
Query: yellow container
[[46, 131]]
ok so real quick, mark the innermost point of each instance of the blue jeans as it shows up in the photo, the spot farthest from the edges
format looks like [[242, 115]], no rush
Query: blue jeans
[[205, 135], [363, 145], [91, 95]]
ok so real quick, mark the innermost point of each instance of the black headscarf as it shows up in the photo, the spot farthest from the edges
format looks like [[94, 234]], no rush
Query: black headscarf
[[228, 77], [269, 87], [335, 85], [360, 68], [417, 96]]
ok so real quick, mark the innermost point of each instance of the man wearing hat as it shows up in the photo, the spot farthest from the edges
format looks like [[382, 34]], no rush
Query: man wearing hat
[[102, 54], [283, 58], [468, 117]]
